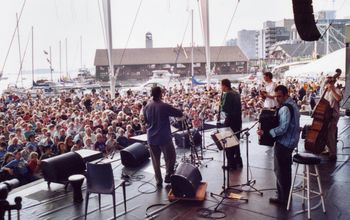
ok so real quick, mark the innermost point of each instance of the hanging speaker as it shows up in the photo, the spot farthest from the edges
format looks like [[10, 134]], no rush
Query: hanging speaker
[[305, 21], [134, 155], [185, 181]]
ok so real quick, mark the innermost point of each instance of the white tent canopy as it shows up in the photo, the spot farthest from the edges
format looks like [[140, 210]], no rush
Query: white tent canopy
[[326, 64]]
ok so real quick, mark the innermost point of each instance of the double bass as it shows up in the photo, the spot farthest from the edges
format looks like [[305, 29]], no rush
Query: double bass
[[315, 140]]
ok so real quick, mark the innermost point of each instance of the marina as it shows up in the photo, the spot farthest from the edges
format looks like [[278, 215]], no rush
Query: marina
[[174, 109]]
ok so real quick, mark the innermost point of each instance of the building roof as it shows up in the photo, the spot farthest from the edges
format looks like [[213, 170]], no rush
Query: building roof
[[306, 48], [135, 56]]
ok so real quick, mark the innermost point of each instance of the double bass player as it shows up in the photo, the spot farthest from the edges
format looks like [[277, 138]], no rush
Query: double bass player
[[333, 96]]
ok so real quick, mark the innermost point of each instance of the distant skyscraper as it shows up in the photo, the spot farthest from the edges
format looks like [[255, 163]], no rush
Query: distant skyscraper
[[231, 42], [246, 40], [149, 40], [275, 31]]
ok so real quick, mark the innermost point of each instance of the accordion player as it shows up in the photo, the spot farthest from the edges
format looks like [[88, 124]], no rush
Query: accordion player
[[268, 119]]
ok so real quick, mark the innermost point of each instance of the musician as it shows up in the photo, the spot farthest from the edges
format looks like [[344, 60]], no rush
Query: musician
[[333, 96], [268, 92], [157, 114], [231, 106], [287, 138]]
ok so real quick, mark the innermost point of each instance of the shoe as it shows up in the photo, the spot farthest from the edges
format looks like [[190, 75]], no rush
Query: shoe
[[332, 158], [277, 201], [167, 178]]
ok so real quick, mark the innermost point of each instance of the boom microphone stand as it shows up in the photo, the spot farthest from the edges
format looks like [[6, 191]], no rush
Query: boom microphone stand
[[250, 183]]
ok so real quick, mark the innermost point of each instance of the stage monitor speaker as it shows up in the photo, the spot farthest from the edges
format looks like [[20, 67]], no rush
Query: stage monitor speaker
[[57, 169], [305, 21], [185, 181], [134, 155]]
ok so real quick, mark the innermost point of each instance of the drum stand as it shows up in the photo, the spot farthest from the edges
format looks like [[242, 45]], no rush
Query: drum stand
[[201, 157], [250, 183], [203, 140], [225, 194], [194, 157]]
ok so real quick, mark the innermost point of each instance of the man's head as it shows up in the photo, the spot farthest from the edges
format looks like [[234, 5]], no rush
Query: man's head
[[281, 93], [267, 76], [338, 71], [225, 85], [156, 93]]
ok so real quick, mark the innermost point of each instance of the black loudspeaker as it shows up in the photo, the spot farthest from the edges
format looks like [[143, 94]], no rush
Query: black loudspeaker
[[185, 181], [305, 21], [57, 169], [134, 155]]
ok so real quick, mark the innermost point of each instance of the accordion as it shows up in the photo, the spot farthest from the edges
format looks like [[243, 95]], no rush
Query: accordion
[[268, 119]]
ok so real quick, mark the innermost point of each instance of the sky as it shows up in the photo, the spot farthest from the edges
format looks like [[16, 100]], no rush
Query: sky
[[167, 20]]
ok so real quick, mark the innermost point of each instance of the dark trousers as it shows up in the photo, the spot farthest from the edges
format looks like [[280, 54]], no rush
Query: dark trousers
[[169, 153], [233, 154], [283, 170]]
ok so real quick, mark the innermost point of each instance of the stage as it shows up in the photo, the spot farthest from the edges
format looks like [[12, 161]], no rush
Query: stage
[[143, 198]]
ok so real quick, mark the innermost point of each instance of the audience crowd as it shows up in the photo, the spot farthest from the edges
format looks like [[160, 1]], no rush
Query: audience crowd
[[33, 128]]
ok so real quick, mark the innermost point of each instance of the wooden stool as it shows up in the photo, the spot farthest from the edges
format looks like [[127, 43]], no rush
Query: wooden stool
[[306, 159], [76, 181]]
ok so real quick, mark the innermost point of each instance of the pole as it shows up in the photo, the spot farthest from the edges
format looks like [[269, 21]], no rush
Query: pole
[[66, 41], [347, 66], [108, 26], [81, 51], [50, 64], [60, 57], [192, 69], [19, 49], [32, 54]]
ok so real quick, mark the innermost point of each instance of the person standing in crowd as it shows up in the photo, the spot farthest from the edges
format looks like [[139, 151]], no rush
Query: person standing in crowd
[[231, 106], [268, 92], [333, 96], [157, 114], [287, 138]]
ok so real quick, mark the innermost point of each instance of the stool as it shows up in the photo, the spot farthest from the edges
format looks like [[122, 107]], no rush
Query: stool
[[76, 181], [307, 160]]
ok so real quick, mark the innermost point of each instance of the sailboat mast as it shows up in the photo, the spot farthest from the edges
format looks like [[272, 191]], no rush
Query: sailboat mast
[[50, 64], [66, 58], [19, 48], [60, 57], [192, 70], [32, 54], [81, 51]]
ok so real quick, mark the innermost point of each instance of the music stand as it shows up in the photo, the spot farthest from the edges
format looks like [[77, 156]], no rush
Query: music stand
[[250, 183], [225, 138]]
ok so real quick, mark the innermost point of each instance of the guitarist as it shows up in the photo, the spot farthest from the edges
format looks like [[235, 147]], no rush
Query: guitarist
[[333, 96]]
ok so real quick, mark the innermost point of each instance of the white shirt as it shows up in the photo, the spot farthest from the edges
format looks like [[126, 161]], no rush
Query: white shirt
[[329, 96], [270, 89]]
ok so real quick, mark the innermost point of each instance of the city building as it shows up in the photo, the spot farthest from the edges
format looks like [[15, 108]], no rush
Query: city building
[[246, 40]]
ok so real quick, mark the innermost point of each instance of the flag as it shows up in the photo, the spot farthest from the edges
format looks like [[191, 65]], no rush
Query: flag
[[48, 60], [45, 52]]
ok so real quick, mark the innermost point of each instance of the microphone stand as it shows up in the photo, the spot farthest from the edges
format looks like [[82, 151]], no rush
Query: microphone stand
[[250, 183]]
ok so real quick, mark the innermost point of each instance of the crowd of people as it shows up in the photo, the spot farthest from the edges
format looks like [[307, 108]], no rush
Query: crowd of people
[[33, 128]]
